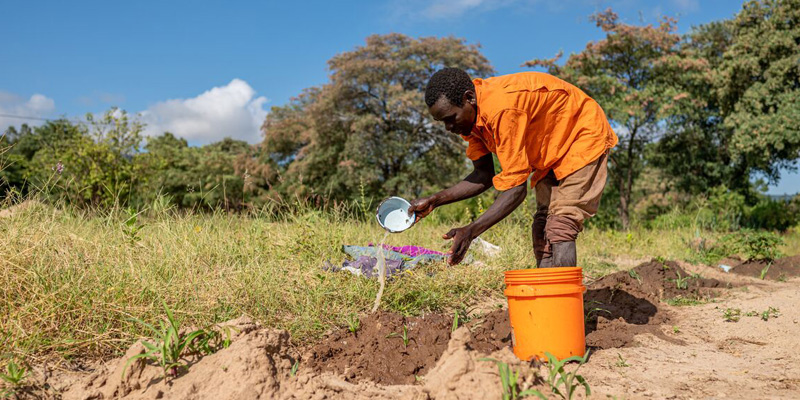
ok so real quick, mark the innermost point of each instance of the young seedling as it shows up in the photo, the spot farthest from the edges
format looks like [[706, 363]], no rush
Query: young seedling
[[14, 376], [168, 346], [295, 367], [594, 311], [675, 329], [765, 270], [353, 323], [731, 314], [635, 275], [455, 322], [570, 381], [130, 228], [403, 336], [509, 382], [771, 312], [621, 363], [682, 283]]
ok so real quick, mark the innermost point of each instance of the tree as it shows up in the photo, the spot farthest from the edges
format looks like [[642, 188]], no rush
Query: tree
[[758, 86], [631, 73], [368, 128]]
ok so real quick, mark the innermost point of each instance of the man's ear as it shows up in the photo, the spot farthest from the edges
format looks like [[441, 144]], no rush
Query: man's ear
[[469, 97]]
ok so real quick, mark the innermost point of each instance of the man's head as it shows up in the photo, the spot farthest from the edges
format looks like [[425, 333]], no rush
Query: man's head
[[450, 97]]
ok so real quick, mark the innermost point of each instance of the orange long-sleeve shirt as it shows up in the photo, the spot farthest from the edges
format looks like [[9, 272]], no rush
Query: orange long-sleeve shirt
[[536, 122]]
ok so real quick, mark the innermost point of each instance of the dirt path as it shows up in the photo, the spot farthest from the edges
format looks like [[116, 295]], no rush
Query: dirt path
[[748, 359]]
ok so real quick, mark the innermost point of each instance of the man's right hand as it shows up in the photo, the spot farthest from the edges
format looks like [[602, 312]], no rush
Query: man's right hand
[[422, 207]]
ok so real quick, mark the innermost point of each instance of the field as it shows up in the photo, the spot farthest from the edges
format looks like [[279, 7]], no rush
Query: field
[[77, 285]]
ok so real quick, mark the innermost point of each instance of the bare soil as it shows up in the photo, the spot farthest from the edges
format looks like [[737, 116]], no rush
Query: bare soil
[[642, 347], [780, 269]]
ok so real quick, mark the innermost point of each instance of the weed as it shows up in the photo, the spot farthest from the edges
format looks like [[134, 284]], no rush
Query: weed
[[509, 382], [455, 322], [621, 363], [169, 344], [771, 312], [731, 314], [353, 323], [131, 228], [684, 301], [14, 376], [765, 270], [570, 381], [675, 329], [635, 275]]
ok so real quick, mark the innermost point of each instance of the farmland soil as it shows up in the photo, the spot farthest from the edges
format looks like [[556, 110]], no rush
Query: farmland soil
[[780, 269], [642, 347]]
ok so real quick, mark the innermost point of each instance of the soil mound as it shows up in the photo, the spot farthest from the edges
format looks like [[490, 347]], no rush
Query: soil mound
[[626, 303], [251, 368], [378, 352], [780, 269], [491, 333]]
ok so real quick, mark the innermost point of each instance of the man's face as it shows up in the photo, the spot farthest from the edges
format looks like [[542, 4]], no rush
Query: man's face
[[458, 120]]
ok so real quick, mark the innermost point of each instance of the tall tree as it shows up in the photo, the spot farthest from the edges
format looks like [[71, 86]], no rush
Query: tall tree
[[631, 73], [758, 86], [368, 128]]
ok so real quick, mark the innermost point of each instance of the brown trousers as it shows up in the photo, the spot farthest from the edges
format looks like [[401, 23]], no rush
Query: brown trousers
[[562, 206]]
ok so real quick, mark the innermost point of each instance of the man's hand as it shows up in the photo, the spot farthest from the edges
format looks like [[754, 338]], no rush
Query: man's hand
[[462, 238], [422, 207]]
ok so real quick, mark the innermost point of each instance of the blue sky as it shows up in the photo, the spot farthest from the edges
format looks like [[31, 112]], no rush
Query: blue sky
[[209, 69]]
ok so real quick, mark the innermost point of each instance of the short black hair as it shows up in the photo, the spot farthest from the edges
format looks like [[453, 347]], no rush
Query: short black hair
[[450, 82]]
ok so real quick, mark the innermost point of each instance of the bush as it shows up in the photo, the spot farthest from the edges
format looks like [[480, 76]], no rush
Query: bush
[[754, 245], [772, 215]]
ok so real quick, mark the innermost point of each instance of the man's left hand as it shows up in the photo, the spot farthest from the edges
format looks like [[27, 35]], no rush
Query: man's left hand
[[462, 238]]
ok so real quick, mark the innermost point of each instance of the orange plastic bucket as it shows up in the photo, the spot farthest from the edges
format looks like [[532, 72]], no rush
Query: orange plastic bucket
[[545, 307]]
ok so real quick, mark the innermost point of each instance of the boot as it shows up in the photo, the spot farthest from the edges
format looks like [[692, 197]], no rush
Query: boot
[[564, 254], [544, 262]]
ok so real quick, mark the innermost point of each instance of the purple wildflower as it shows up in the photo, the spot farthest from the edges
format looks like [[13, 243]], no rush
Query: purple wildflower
[[59, 168]]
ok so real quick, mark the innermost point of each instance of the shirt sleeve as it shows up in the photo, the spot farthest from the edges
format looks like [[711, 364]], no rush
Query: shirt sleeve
[[509, 135], [475, 148]]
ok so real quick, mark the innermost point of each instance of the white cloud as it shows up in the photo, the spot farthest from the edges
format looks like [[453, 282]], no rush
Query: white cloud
[[686, 5], [37, 106], [232, 110]]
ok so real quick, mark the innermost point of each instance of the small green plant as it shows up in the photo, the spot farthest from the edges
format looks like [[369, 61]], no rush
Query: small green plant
[[509, 382], [565, 383], [621, 363], [635, 275], [594, 309], [353, 323], [295, 367], [684, 301], [14, 376], [771, 312], [675, 329], [455, 322], [131, 228], [169, 344], [403, 336], [751, 314], [731, 314], [682, 283], [765, 270]]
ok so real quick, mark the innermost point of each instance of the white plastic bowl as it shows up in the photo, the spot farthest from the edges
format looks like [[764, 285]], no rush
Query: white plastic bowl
[[393, 214]]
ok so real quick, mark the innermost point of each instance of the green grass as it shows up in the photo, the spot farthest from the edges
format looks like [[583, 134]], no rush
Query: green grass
[[72, 282]]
